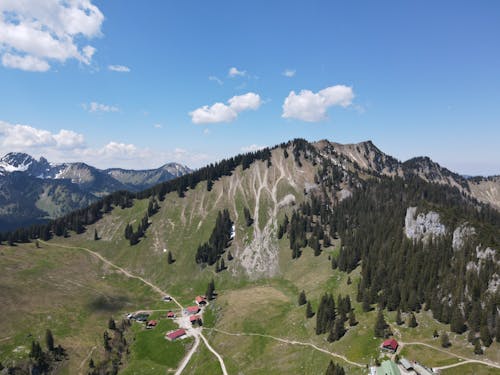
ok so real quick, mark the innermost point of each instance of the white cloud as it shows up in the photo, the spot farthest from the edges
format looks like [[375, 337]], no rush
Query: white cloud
[[311, 107], [215, 79], [252, 148], [69, 146], [220, 112], [69, 139], [119, 68], [98, 107], [289, 73], [28, 63], [24, 137], [206, 131], [234, 72], [34, 33], [158, 126]]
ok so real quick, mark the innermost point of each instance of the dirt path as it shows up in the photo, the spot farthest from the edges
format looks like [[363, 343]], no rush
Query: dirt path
[[188, 356], [292, 342], [465, 359], [86, 359], [221, 361], [190, 331]]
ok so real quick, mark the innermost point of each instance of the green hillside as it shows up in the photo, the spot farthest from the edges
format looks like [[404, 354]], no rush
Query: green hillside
[[255, 323]]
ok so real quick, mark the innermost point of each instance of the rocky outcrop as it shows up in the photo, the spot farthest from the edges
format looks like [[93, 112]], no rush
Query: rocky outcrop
[[460, 234], [423, 226]]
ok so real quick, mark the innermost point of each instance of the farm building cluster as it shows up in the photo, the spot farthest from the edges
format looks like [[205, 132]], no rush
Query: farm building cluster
[[402, 366]]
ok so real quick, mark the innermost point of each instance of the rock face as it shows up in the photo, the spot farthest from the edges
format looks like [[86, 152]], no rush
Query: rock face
[[460, 234], [423, 226]]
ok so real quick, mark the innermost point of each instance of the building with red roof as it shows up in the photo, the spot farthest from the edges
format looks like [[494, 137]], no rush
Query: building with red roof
[[170, 315], [194, 319], [191, 310], [174, 335], [201, 300], [151, 324], [390, 345]]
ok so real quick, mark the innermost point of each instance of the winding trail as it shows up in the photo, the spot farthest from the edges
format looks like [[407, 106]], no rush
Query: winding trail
[[464, 359], [292, 342], [196, 333]]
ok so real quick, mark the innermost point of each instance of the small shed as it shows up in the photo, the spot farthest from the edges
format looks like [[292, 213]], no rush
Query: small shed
[[195, 319], [171, 315], [174, 335], [406, 364], [151, 324]]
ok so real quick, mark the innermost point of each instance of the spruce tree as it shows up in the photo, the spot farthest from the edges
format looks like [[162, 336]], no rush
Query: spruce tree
[[445, 340], [229, 256], [497, 329], [380, 325], [457, 324], [485, 335], [302, 298], [96, 236], [477, 347], [111, 324], [170, 258], [309, 311], [352, 318], [210, 290], [399, 321], [49, 340], [412, 321]]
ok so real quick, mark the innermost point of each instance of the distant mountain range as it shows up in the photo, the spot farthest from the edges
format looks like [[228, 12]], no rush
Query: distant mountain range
[[33, 190]]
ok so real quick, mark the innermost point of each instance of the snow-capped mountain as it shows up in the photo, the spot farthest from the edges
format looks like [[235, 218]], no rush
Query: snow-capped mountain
[[35, 189]]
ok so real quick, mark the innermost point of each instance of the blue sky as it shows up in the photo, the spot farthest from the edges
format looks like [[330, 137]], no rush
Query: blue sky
[[417, 78]]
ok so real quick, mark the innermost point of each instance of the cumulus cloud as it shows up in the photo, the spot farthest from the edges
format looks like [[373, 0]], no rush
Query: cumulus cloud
[[158, 126], [311, 107], [99, 107], [69, 146], [119, 68], [34, 33], [289, 73], [234, 72], [252, 148], [28, 63], [220, 112], [24, 137]]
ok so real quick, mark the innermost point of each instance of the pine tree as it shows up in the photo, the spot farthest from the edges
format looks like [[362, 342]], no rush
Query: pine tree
[[380, 325], [96, 237], [412, 321], [334, 369], [49, 340], [222, 264], [399, 321], [229, 256], [457, 324], [435, 334], [248, 218], [91, 363], [349, 281], [365, 305], [210, 290], [309, 311], [352, 318], [497, 329], [111, 324], [485, 335], [477, 347], [302, 298], [445, 340], [170, 258]]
